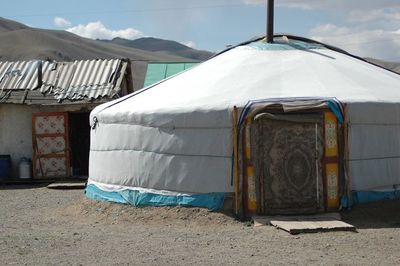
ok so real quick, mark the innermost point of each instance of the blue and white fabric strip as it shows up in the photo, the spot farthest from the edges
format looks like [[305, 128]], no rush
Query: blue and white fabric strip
[[283, 45], [369, 196], [212, 201], [336, 108], [357, 197]]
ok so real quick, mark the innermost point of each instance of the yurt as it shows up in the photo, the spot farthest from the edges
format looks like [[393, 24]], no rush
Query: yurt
[[292, 126]]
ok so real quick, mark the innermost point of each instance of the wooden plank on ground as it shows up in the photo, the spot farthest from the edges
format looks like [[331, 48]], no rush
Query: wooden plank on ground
[[266, 220], [67, 185], [305, 224]]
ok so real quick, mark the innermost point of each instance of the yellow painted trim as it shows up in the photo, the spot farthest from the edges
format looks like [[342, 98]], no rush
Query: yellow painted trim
[[331, 141], [332, 191], [247, 139], [251, 190]]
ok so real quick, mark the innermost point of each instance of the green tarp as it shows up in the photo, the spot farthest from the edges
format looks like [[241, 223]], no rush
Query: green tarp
[[159, 71]]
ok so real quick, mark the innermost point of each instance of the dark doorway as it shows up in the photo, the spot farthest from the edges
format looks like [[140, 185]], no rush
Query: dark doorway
[[79, 129]]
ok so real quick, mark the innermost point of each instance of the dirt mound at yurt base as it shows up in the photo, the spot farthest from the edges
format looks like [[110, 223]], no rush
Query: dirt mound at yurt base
[[88, 211]]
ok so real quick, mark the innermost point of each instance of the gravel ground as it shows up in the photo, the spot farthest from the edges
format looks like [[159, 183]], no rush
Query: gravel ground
[[40, 226]]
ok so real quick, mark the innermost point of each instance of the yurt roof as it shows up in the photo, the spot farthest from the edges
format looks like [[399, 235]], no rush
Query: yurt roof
[[289, 67]]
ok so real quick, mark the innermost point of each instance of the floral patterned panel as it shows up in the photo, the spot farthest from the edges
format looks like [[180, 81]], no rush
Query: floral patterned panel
[[55, 166], [49, 145], [53, 147], [50, 124]]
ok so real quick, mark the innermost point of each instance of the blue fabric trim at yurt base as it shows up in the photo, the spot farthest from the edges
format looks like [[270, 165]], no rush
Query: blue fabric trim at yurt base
[[357, 197], [212, 201]]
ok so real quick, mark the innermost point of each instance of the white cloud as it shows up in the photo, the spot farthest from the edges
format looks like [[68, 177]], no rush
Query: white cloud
[[359, 16], [190, 44], [97, 30], [61, 22], [378, 43], [371, 28]]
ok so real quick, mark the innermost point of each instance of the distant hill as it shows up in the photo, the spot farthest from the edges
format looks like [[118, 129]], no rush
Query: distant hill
[[395, 66], [20, 42], [8, 25], [164, 46]]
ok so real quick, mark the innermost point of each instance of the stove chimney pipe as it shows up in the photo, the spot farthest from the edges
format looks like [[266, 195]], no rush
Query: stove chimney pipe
[[270, 21]]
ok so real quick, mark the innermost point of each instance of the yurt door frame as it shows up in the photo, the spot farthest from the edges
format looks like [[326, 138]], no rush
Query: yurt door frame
[[326, 171]]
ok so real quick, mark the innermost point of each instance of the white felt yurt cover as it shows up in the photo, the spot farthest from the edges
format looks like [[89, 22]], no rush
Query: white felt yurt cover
[[175, 137]]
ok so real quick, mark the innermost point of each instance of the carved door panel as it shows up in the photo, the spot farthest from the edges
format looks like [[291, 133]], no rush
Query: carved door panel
[[289, 165]]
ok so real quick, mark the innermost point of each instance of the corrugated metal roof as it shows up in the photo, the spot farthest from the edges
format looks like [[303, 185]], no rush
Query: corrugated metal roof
[[78, 80], [83, 79], [20, 75]]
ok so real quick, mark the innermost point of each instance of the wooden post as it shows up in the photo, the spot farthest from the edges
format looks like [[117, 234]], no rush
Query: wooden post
[[235, 160]]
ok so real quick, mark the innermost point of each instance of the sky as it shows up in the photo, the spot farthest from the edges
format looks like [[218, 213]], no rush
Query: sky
[[368, 28]]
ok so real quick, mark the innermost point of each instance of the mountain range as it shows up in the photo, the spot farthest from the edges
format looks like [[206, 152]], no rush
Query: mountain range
[[21, 42], [164, 46], [394, 66]]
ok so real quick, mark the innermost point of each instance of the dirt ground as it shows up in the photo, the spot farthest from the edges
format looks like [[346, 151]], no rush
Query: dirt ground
[[40, 226]]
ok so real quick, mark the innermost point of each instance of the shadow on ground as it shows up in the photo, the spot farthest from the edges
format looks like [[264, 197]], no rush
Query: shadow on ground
[[64, 183], [22, 186], [374, 215]]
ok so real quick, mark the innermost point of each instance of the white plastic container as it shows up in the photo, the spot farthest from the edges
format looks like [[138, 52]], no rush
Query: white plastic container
[[25, 166]]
